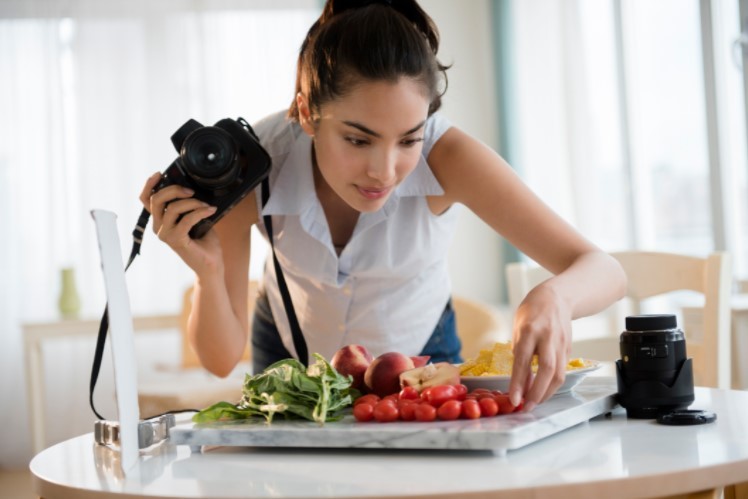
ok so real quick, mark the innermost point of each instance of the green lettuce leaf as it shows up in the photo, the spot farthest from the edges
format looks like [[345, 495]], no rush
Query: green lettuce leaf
[[289, 390]]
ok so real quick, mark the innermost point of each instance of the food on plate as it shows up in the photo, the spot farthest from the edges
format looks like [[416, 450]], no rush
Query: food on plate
[[289, 390], [382, 377], [444, 402], [441, 373], [352, 360], [498, 360]]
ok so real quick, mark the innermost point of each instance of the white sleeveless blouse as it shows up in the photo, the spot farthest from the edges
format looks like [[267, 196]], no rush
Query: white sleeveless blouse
[[389, 286]]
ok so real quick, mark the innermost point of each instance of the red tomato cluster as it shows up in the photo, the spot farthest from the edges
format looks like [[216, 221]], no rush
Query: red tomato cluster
[[445, 402]]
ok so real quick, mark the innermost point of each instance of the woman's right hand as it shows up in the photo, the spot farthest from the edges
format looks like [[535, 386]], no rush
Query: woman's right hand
[[201, 255]]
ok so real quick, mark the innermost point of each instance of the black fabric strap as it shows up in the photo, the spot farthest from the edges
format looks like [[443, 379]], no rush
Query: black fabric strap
[[137, 237], [298, 337]]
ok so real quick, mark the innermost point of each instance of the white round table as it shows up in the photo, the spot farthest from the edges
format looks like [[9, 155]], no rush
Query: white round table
[[610, 456]]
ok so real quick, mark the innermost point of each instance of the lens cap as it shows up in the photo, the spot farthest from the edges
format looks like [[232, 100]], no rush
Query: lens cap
[[686, 417], [653, 322]]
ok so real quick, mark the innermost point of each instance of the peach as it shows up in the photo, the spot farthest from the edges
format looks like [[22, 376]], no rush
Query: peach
[[383, 375], [441, 373], [352, 360]]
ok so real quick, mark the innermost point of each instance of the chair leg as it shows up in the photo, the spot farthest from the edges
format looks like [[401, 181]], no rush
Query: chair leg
[[737, 491], [704, 494]]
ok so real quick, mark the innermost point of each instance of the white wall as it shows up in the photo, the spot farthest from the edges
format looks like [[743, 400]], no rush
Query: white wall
[[471, 103]]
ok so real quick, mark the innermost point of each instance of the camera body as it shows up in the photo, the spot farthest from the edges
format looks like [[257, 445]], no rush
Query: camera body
[[221, 163], [654, 374]]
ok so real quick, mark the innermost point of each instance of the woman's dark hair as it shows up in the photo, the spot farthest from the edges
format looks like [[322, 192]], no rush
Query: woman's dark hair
[[359, 40]]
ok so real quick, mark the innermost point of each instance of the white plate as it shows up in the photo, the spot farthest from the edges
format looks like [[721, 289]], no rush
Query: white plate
[[501, 383]]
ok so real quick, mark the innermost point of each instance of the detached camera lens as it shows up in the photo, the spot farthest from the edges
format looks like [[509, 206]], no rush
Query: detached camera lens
[[654, 373], [209, 157], [652, 347]]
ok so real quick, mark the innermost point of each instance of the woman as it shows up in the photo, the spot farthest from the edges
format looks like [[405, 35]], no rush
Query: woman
[[365, 171]]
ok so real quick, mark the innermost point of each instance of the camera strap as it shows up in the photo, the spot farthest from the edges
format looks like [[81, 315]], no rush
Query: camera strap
[[137, 234], [299, 342], [137, 237]]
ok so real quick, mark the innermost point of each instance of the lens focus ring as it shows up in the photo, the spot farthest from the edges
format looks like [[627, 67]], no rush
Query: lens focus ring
[[209, 157]]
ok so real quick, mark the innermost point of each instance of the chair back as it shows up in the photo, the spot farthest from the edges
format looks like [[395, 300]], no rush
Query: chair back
[[478, 326], [653, 274]]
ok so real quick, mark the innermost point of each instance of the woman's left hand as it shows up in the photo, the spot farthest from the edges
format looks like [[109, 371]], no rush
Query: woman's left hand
[[542, 327]]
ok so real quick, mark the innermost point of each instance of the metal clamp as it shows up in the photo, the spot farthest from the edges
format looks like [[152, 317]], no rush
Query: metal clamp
[[150, 432]]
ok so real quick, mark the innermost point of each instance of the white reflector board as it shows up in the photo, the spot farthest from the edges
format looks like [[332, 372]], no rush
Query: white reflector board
[[121, 335]]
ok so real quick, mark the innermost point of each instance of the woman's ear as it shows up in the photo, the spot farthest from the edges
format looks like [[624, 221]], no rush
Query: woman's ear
[[305, 114]]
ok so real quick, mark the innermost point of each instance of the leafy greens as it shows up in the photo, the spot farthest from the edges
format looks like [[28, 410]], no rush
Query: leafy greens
[[317, 393]]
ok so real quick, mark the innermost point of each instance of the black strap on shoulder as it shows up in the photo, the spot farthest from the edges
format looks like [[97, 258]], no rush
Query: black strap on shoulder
[[137, 237], [298, 338]]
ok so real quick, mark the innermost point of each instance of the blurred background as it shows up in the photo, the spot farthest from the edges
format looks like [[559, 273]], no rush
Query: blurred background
[[628, 117]]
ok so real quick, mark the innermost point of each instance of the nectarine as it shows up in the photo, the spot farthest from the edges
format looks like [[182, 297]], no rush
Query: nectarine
[[383, 375], [352, 360]]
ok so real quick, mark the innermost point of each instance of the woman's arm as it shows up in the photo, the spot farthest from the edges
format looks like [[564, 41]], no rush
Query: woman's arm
[[586, 279], [218, 327], [218, 324]]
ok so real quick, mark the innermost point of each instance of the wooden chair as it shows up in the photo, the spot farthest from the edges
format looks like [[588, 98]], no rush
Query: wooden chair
[[478, 325], [188, 385], [653, 274]]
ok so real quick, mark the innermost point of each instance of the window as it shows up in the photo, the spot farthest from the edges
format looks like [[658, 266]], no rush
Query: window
[[93, 92], [631, 119]]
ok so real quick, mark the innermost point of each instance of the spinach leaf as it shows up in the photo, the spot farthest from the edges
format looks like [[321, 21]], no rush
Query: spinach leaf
[[287, 388]]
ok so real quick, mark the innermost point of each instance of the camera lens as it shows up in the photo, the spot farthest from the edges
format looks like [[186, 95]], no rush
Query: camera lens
[[652, 347], [209, 157], [654, 373]]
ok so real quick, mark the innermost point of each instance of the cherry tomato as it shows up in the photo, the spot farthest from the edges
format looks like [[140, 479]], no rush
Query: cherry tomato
[[449, 410], [363, 412], [403, 402], [369, 398], [478, 391], [391, 401], [471, 409], [386, 411], [425, 412], [425, 393], [409, 393], [392, 397], [408, 411], [488, 407], [462, 391], [505, 405], [441, 394]]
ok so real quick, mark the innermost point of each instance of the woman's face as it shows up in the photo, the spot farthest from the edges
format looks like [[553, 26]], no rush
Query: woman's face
[[368, 141]]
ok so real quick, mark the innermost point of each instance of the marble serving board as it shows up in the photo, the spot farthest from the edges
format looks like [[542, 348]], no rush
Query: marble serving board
[[592, 397]]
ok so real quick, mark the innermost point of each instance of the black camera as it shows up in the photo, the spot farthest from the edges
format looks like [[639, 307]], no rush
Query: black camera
[[654, 373], [221, 163]]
